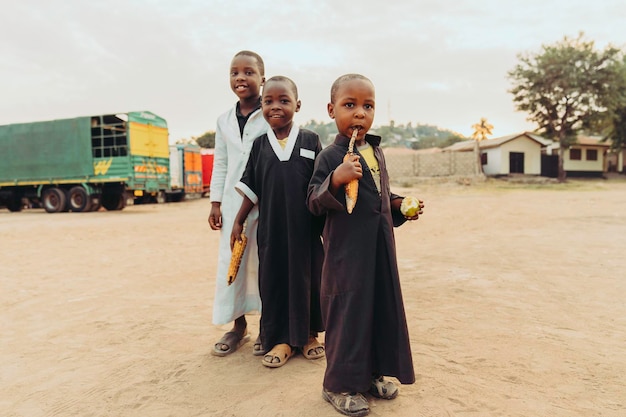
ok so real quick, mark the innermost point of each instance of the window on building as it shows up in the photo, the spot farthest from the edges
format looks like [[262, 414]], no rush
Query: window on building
[[483, 158], [575, 154], [592, 154]]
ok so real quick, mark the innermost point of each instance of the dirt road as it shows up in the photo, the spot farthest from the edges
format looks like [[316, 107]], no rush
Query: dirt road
[[515, 300]]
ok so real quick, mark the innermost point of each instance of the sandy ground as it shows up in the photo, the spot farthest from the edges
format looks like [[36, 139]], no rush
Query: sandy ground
[[515, 300]]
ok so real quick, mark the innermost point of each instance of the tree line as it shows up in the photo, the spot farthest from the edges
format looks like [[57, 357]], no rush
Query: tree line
[[419, 136]]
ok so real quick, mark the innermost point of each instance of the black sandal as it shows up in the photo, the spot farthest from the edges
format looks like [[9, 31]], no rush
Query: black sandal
[[232, 340]]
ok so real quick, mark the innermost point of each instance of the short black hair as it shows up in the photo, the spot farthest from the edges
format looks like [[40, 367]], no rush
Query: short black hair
[[282, 78], [256, 56], [343, 79]]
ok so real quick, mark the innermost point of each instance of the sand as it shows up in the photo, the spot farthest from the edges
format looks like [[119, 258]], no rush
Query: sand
[[514, 294]]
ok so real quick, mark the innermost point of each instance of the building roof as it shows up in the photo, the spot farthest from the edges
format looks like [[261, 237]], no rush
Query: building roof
[[584, 140], [468, 145], [591, 141]]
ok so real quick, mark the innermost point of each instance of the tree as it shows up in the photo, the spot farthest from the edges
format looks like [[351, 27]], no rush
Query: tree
[[614, 121], [207, 140], [482, 129], [563, 87]]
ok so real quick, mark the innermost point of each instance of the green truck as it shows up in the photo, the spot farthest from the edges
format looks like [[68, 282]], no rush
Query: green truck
[[84, 163]]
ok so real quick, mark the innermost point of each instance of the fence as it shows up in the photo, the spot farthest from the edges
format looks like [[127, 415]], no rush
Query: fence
[[407, 163]]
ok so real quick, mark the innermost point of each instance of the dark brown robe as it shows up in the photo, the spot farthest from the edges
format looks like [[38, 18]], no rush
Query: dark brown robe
[[290, 247], [362, 307]]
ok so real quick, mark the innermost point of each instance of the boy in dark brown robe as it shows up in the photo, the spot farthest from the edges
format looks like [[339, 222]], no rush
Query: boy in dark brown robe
[[362, 307], [290, 249]]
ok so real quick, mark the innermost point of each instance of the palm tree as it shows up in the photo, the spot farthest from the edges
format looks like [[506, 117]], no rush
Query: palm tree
[[481, 131]]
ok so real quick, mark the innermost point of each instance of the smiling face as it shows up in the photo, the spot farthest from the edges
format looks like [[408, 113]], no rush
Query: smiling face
[[279, 102], [246, 78], [352, 106]]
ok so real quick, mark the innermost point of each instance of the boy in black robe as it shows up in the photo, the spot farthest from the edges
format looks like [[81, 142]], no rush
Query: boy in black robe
[[290, 249], [362, 308]]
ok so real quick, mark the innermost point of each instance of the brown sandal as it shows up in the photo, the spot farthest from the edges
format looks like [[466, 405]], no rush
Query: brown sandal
[[281, 353], [313, 349]]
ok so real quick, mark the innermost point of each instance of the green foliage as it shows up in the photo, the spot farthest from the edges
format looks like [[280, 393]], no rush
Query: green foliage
[[564, 87], [613, 122], [207, 140], [416, 137], [326, 131]]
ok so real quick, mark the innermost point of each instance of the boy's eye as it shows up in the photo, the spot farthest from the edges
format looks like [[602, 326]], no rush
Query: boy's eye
[[349, 105], [284, 101], [368, 106], [249, 73]]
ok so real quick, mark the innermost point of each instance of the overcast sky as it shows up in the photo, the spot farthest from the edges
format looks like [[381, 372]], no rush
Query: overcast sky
[[435, 62]]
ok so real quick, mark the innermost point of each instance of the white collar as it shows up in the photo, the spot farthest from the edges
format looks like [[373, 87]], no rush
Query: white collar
[[283, 154]]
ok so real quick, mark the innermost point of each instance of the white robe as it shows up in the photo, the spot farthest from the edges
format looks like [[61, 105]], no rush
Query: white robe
[[231, 155]]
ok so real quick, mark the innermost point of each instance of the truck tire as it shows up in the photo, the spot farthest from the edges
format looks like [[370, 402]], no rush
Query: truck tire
[[54, 200], [113, 201], [78, 199]]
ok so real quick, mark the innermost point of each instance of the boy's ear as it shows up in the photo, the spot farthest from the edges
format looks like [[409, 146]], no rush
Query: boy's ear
[[298, 104], [262, 81], [331, 110]]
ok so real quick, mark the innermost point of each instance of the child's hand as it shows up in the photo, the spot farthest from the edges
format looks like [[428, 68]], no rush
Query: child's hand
[[347, 171], [215, 216], [397, 204], [235, 234], [417, 214]]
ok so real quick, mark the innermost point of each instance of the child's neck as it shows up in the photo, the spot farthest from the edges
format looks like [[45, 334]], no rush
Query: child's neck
[[283, 132], [360, 142], [248, 105]]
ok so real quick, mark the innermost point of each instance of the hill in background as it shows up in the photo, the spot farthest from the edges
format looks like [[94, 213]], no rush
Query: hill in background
[[419, 136]]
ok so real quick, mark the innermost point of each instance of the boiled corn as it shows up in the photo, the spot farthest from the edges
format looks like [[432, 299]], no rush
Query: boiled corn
[[351, 188], [235, 259]]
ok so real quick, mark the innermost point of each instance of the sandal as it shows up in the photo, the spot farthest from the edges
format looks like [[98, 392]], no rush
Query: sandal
[[381, 388], [348, 403], [232, 340], [257, 348], [278, 356], [313, 349]]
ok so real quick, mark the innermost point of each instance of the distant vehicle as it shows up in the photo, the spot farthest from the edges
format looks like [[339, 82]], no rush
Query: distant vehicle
[[84, 163], [185, 172], [207, 169]]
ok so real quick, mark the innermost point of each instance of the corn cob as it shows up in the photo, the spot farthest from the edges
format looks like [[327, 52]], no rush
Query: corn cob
[[351, 188], [235, 259]]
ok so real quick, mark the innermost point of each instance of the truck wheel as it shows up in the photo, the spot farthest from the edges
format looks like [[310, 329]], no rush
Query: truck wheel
[[113, 201], [78, 199], [160, 197], [54, 200]]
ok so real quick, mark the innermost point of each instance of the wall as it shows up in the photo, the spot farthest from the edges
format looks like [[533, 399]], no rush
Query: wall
[[584, 164], [531, 151], [494, 161], [407, 163]]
